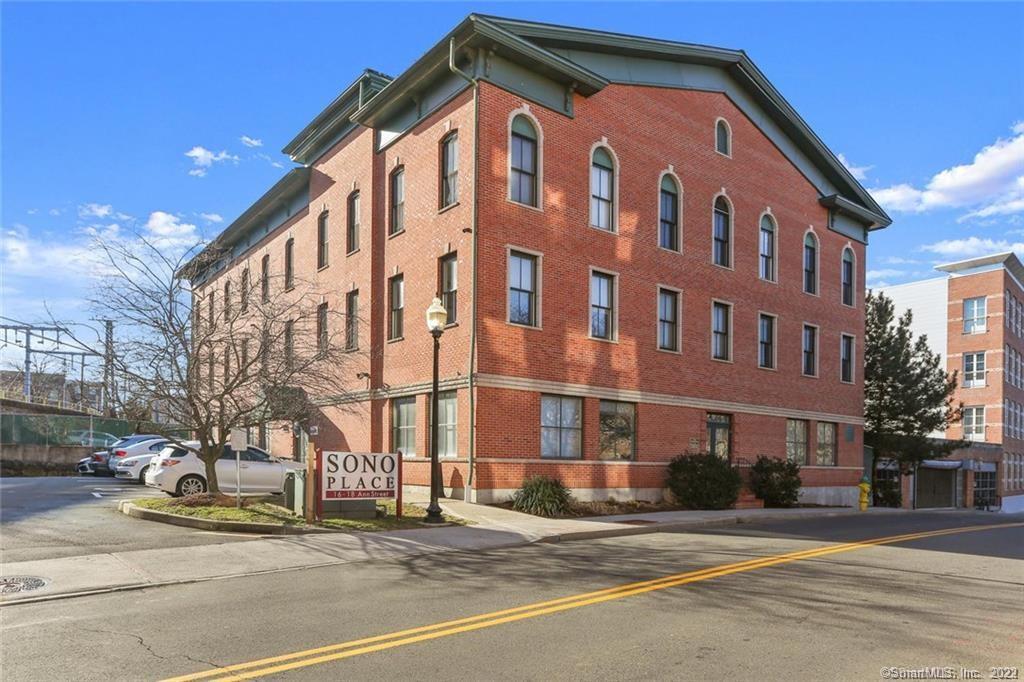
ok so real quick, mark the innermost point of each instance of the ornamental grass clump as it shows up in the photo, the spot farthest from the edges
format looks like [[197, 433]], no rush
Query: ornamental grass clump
[[543, 496]]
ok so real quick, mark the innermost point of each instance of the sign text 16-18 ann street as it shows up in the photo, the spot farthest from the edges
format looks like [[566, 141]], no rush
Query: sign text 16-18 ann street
[[359, 475]]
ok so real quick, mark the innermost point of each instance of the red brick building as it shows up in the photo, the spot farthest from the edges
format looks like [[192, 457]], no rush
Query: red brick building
[[973, 316], [643, 249]]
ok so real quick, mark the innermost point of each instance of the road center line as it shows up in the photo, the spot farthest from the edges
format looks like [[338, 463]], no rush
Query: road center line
[[334, 652]]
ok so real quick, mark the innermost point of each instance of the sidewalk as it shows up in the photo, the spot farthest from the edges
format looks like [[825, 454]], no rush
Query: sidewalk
[[494, 528]]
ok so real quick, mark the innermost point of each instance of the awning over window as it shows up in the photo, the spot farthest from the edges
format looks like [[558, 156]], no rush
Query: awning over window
[[941, 464]]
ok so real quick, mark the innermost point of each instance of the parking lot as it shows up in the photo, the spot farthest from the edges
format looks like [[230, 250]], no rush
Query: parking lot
[[51, 517]]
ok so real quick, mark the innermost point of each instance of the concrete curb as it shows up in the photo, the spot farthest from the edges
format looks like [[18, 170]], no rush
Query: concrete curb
[[135, 511]]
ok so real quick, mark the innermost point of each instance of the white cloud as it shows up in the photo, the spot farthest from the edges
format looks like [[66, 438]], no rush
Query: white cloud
[[168, 230], [55, 211], [266, 157], [203, 159], [882, 273], [898, 260], [33, 211], [95, 210], [991, 184], [251, 141], [211, 217], [24, 254], [858, 172], [970, 247]]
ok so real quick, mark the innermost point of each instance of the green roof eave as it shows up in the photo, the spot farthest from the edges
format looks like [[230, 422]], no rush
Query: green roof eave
[[336, 114], [875, 221], [475, 31], [285, 187]]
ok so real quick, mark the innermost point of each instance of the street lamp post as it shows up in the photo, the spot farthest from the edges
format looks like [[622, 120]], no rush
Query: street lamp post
[[437, 316]]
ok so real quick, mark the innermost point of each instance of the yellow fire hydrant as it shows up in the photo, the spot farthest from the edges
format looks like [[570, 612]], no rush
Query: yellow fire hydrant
[[865, 490]]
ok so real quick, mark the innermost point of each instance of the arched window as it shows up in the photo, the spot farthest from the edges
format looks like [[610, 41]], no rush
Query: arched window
[[723, 137], [668, 232], [523, 168], [397, 223], [289, 264], [848, 277], [352, 231], [602, 190], [721, 250], [767, 248], [322, 243], [810, 263]]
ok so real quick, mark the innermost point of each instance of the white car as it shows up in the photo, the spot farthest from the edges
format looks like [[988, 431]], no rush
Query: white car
[[136, 451], [179, 471]]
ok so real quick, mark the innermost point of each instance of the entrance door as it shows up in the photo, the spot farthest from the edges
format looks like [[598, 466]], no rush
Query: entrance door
[[936, 488]]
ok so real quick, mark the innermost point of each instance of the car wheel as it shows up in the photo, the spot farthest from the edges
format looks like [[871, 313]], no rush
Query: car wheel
[[142, 474], [191, 485]]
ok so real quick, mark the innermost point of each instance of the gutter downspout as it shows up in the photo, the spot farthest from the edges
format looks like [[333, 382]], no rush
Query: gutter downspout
[[472, 327]]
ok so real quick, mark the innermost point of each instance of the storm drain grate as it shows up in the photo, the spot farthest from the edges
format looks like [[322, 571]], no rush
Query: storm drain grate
[[20, 583]]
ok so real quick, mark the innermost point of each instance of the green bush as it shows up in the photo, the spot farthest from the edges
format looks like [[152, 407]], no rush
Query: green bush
[[542, 496], [776, 481], [887, 493], [703, 481]]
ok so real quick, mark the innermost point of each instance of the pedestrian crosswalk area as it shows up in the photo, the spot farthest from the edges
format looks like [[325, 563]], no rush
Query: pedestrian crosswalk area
[[113, 489]]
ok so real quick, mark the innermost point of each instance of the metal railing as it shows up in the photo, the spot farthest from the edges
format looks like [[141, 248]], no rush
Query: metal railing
[[18, 396]]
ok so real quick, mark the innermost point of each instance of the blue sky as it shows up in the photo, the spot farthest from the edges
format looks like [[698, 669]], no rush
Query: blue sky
[[136, 115]]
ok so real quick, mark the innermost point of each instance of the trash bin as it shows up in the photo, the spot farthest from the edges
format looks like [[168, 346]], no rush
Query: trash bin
[[289, 489]]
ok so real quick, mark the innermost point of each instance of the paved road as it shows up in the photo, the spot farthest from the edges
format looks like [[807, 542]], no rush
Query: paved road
[[50, 517], [941, 600]]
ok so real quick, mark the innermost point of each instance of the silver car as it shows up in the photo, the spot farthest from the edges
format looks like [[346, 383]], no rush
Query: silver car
[[135, 467]]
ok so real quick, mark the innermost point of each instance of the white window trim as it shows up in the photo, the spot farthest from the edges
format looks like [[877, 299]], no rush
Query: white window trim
[[853, 358], [679, 318], [669, 172], [963, 306], [711, 329], [732, 232], [817, 351], [963, 426], [728, 129], [775, 246], [509, 248], [525, 111], [615, 304], [603, 143], [775, 341], [984, 372], [847, 247], [817, 263]]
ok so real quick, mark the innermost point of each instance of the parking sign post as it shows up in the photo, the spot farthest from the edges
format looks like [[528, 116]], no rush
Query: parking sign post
[[239, 441]]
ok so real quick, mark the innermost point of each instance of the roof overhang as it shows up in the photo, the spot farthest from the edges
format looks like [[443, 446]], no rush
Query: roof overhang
[[475, 32], [336, 115], [875, 221], [1007, 259], [295, 180]]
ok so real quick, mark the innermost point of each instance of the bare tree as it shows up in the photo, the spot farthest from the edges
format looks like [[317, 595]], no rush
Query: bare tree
[[234, 352]]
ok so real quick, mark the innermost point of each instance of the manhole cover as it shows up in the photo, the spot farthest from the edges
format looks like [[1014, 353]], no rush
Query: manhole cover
[[20, 583]]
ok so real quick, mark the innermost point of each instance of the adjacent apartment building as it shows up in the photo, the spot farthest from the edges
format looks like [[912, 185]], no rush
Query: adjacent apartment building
[[643, 250], [973, 316]]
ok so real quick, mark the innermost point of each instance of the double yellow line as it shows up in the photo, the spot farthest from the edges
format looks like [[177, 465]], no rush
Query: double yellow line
[[335, 652]]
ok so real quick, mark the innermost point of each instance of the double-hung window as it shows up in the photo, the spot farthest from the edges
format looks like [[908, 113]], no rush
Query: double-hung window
[[352, 320], [974, 370], [668, 319], [321, 328], [848, 294], [396, 300], [523, 283], [721, 331], [602, 305], [289, 264], [265, 278], [796, 441], [322, 237], [767, 249], [397, 218], [450, 169], [561, 427], [352, 231], [846, 358], [766, 341], [447, 443], [810, 264], [810, 350], [721, 247], [523, 162], [602, 190], [244, 293], [826, 446], [668, 208], [403, 425], [449, 276], [974, 315]]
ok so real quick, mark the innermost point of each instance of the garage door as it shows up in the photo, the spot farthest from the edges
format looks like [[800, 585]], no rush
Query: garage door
[[936, 488]]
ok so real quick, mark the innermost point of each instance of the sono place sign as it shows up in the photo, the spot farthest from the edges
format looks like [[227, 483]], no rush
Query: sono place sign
[[359, 475]]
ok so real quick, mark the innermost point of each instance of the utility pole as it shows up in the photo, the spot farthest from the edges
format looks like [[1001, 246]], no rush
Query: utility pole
[[30, 330], [108, 367]]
